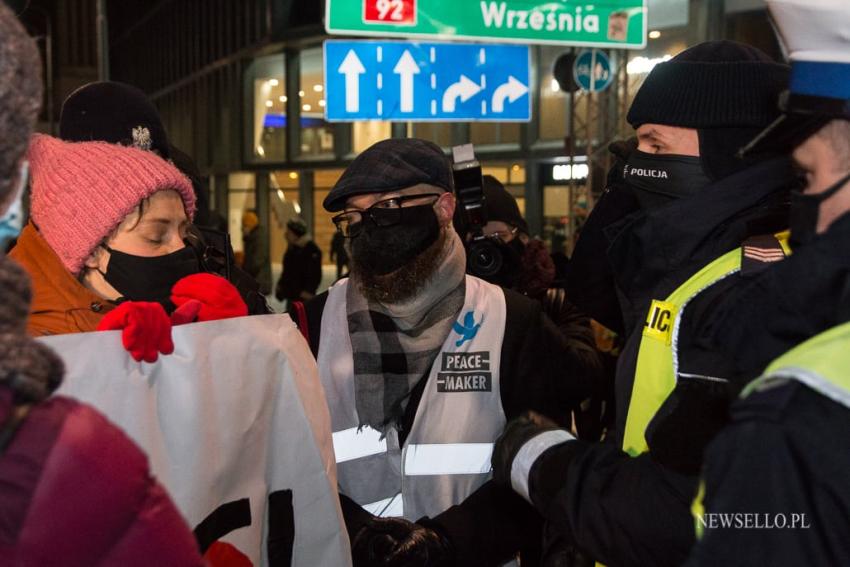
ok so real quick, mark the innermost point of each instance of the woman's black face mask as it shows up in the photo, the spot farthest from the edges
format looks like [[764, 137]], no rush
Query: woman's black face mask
[[658, 179], [143, 278]]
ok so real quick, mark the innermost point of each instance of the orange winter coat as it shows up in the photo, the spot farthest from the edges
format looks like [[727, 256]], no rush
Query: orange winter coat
[[60, 304]]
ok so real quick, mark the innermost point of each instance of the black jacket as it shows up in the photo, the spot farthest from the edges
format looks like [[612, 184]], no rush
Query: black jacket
[[494, 523], [731, 336], [636, 511], [302, 271], [785, 454], [781, 451], [802, 296]]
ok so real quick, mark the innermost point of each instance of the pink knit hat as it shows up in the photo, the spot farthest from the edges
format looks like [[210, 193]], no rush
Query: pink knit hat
[[82, 191]]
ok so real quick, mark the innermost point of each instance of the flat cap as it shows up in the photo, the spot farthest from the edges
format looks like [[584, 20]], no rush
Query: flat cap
[[392, 165]]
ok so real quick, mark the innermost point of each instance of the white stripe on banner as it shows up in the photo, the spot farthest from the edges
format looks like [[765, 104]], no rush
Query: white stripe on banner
[[447, 458], [529, 452], [388, 507], [349, 444]]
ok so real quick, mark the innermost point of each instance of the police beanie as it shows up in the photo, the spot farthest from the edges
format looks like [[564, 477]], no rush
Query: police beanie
[[392, 165], [716, 84], [113, 112]]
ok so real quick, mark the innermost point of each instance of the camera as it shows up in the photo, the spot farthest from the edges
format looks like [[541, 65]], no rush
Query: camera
[[484, 255]]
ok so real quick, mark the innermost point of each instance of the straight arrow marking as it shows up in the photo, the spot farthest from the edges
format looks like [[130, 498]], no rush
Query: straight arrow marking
[[405, 69], [352, 68]]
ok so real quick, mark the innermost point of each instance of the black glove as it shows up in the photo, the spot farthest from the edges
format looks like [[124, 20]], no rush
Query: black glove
[[374, 542], [425, 546], [516, 433]]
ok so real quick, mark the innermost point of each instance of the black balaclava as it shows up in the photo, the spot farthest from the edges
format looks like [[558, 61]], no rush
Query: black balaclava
[[725, 90]]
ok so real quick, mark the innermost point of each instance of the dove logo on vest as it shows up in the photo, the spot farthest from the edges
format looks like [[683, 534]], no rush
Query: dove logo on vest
[[465, 372], [468, 330]]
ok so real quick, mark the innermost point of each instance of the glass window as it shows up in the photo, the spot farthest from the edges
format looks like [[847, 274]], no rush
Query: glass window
[[269, 141], [484, 133], [565, 209], [323, 226], [553, 101], [284, 204], [369, 132], [316, 134], [240, 198], [438, 132], [512, 176]]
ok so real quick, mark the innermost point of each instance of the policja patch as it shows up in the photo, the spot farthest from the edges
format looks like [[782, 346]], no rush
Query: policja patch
[[465, 372]]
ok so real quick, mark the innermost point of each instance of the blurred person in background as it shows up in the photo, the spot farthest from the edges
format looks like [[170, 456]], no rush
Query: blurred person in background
[[256, 244], [339, 254], [302, 264], [529, 269]]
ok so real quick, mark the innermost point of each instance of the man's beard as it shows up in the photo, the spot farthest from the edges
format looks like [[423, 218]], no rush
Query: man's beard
[[404, 283]]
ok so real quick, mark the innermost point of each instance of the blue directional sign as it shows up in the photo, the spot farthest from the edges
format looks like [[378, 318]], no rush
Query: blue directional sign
[[404, 81], [592, 70]]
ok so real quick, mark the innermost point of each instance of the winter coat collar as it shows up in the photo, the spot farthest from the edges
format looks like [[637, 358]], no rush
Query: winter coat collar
[[652, 252], [61, 304]]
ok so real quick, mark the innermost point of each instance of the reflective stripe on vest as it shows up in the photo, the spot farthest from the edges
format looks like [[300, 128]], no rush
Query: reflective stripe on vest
[[447, 452], [822, 363], [657, 363]]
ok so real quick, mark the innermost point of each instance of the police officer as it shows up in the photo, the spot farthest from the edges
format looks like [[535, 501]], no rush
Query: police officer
[[776, 488], [700, 210], [422, 366]]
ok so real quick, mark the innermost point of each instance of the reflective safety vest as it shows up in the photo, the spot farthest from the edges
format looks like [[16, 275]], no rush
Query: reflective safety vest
[[446, 455], [657, 364], [822, 363]]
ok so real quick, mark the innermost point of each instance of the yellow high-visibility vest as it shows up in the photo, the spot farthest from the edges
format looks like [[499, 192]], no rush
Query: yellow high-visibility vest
[[657, 363], [822, 363], [655, 373]]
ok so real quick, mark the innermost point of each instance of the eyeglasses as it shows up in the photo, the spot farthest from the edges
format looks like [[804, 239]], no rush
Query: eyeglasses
[[383, 213]]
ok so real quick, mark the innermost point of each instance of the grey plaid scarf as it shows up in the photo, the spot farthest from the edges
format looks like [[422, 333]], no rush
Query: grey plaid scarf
[[394, 345]]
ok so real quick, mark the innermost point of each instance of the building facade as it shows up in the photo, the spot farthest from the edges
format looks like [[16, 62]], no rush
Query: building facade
[[240, 86]]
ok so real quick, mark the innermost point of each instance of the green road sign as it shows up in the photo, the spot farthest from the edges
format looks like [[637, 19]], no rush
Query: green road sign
[[600, 23]]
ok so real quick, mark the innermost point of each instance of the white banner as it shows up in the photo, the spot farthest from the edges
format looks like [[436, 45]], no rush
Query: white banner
[[235, 419]]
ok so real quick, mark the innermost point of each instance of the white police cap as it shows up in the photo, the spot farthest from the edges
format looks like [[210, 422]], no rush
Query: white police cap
[[815, 35]]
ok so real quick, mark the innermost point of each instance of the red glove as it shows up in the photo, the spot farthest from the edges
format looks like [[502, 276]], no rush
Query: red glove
[[222, 554], [218, 297], [146, 329]]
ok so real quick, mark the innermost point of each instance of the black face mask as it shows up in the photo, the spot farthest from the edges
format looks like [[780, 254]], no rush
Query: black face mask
[[658, 179], [805, 210], [381, 250], [142, 278]]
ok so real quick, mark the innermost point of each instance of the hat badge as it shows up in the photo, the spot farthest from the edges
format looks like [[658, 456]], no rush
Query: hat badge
[[142, 138]]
